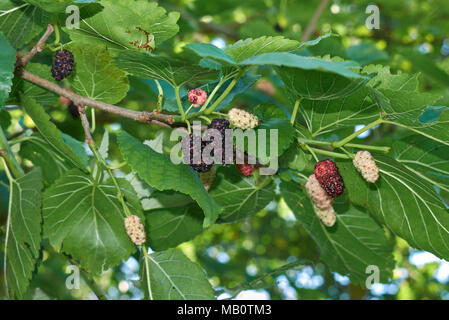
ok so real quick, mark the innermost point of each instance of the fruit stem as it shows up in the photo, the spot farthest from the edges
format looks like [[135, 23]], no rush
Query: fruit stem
[[92, 129], [350, 145], [312, 152], [295, 111], [226, 92], [57, 34], [211, 96], [328, 153], [347, 152], [188, 110], [299, 174], [120, 195], [366, 147], [180, 107], [338, 144], [147, 271], [160, 97]]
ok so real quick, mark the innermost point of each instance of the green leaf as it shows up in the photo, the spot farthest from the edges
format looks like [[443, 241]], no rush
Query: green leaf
[[23, 235], [286, 133], [245, 49], [355, 242], [310, 77], [96, 76], [322, 116], [285, 59], [49, 131], [123, 24], [239, 196], [366, 53], [42, 96], [211, 52], [405, 202], [21, 22], [51, 5], [159, 172], [37, 150], [7, 63], [267, 111], [85, 219], [170, 275], [406, 107], [175, 72], [169, 227], [425, 158]]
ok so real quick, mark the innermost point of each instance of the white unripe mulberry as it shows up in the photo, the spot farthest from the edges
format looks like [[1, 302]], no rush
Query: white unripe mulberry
[[365, 164], [208, 178], [242, 119], [135, 230], [318, 195], [327, 216]]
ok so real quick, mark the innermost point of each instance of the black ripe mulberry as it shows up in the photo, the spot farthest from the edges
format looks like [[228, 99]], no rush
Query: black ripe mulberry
[[62, 64], [192, 149], [327, 174], [222, 125]]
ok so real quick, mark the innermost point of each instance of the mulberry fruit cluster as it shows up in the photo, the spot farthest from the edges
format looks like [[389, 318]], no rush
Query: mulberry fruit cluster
[[318, 195], [208, 178], [222, 125], [327, 174], [242, 119], [197, 97], [365, 164], [192, 148], [135, 230], [62, 65]]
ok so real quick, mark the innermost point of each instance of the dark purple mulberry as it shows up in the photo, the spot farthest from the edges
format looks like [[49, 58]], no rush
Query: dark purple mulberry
[[192, 149], [327, 174], [62, 64], [221, 125]]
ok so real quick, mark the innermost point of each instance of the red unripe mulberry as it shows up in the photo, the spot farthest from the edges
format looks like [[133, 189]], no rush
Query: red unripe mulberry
[[245, 169], [197, 97]]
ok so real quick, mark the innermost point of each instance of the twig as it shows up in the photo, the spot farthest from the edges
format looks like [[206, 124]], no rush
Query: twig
[[85, 124], [38, 47], [312, 23], [141, 116]]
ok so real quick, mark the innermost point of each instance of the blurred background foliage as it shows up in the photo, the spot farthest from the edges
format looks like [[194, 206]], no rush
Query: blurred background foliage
[[243, 259]]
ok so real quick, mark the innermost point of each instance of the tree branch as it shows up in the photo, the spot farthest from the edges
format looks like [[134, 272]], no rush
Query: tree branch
[[85, 123], [38, 47], [312, 23], [141, 116]]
